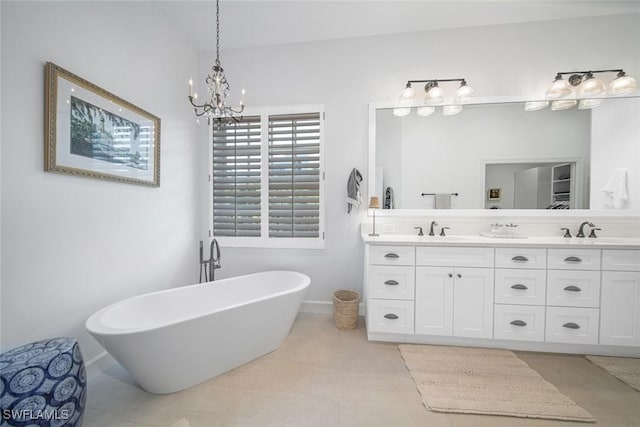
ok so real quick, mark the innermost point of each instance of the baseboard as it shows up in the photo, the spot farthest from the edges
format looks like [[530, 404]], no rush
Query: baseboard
[[324, 307], [97, 365]]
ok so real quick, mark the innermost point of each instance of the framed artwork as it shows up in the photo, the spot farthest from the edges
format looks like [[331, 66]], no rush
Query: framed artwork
[[493, 194], [93, 133]]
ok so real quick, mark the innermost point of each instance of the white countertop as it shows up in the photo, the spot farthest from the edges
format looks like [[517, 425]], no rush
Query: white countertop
[[533, 241]]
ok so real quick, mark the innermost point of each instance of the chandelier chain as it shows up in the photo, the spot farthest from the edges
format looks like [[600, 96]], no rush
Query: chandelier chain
[[218, 32], [216, 108]]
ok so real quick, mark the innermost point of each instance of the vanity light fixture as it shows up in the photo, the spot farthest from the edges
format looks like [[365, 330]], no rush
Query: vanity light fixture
[[590, 89], [434, 95], [216, 107]]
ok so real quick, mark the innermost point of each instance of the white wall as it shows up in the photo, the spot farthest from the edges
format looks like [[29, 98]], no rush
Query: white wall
[[73, 245], [346, 75], [615, 142]]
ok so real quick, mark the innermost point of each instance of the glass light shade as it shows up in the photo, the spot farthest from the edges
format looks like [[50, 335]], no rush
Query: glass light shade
[[402, 111], [592, 87], [408, 94], [406, 98], [450, 110], [623, 85], [434, 96], [536, 105], [563, 104], [425, 111], [463, 93], [586, 104], [559, 89]]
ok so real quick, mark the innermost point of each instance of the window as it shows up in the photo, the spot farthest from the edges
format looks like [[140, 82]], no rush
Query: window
[[268, 180]]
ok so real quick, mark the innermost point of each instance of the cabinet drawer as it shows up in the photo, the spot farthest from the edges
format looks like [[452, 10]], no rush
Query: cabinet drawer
[[573, 288], [572, 325], [573, 259], [518, 322], [520, 286], [393, 316], [521, 258], [392, 255], [392, 282], [454, 257], [621, 260]]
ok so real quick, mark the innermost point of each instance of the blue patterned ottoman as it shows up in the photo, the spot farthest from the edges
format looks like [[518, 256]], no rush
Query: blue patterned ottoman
[[43, 384]]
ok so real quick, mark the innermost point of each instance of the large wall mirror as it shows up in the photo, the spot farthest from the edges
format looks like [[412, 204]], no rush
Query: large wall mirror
[[496, 156]]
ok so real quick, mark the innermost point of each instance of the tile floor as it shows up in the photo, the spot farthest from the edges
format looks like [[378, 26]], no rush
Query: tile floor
[[325, 377]]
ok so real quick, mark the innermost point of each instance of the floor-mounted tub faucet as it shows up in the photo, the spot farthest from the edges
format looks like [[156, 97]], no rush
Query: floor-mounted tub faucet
[[213, 262]]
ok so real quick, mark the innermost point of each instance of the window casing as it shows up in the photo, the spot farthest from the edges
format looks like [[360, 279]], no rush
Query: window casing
[[267, 179]]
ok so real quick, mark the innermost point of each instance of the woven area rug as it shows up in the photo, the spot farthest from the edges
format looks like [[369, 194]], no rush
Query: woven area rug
[[485, 381], [625, 369]]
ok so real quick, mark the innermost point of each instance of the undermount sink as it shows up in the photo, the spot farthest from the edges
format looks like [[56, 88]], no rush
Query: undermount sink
[[613, 240], [444, 238]]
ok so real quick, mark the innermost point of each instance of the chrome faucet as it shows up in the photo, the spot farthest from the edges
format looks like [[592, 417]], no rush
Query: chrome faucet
[[433, 224], [581, 229], [213, 262]]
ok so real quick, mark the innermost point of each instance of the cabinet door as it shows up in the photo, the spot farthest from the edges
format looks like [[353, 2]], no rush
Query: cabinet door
[[473, 302], [620, 308], [434, 300]]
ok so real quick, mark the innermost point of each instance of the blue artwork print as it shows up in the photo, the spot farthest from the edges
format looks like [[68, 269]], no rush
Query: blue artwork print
[[102, 135]]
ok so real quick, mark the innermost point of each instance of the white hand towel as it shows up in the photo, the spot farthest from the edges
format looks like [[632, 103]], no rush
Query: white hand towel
[[443, 201], [615, 190]]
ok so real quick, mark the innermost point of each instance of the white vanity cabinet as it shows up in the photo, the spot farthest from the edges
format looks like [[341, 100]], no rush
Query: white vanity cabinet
[[454, 291], [556, 298], [620, 305], [573, 296], [520, 290], [391, 289]]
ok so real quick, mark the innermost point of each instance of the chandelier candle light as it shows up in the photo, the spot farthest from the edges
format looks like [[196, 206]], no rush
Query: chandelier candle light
[[434, 95], [216, 107]]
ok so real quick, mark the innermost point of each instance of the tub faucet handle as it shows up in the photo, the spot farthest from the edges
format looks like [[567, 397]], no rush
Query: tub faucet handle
[[567, 232], [420, 233], [442, 231], [593, 232]]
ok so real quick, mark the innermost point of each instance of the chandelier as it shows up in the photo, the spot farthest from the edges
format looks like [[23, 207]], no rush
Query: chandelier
[[216, 107]]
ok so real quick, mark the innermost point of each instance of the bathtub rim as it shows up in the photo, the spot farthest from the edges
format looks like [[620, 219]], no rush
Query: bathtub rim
[[95, 326]]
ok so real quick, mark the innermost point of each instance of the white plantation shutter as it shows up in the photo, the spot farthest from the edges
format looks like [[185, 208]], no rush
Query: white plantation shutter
[[236, 178], [294, 175]]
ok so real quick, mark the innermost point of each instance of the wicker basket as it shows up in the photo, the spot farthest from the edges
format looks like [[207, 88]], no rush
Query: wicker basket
[[345, 309]]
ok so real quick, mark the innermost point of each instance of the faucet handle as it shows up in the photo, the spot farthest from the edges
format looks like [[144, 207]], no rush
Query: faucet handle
[[420, 233], [442, 233], [593, 232], [567, 232]]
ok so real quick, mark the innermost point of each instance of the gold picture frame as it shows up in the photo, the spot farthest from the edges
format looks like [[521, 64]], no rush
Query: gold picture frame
[[93, 133]]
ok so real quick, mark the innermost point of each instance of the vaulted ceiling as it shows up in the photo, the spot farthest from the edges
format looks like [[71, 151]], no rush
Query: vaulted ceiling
[[254, 23]]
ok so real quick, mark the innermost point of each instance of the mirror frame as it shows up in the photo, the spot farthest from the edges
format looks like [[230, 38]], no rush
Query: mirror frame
[[487, 213]]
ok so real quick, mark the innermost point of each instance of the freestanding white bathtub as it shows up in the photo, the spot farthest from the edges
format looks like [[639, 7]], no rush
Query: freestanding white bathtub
[[173, 339]]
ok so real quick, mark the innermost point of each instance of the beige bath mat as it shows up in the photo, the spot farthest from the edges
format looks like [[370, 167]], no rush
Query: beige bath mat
[[623, 368], [485, 381]]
